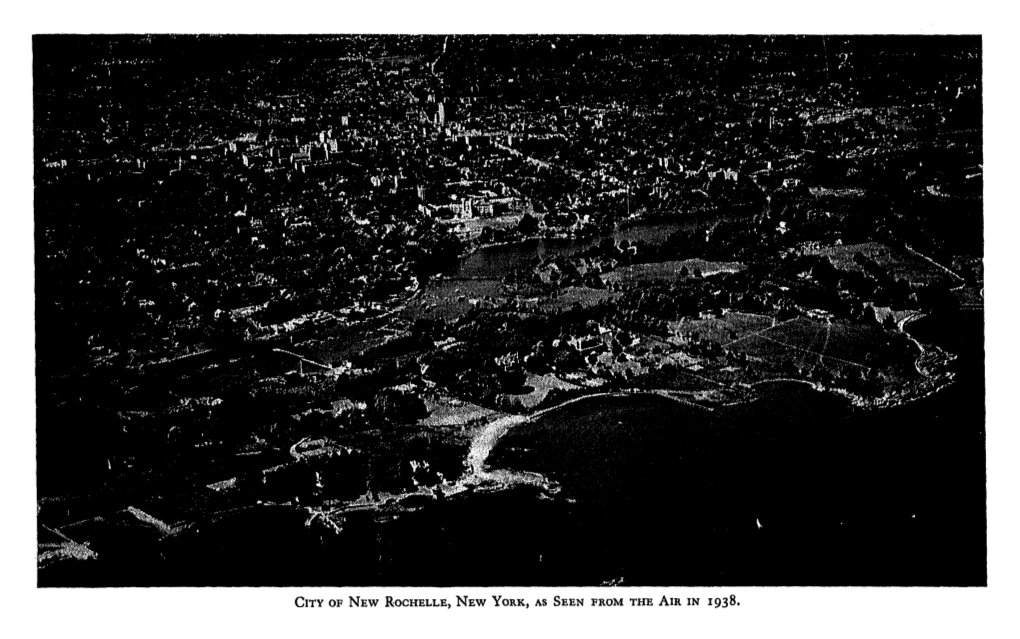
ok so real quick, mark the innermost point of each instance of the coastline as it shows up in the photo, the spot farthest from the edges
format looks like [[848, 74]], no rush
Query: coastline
[[488, 437]]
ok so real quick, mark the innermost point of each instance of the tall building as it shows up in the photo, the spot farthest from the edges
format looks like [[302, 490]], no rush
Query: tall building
[[440, 115]]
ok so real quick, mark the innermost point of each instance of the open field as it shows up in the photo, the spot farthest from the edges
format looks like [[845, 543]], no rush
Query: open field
[[449, 299], [775, 355], [802, 333], [866, 345], [836, 345], [454, 412], [898, 264], [725, 329], [669, 270], [571, 295], [541, 385], [884, 312]]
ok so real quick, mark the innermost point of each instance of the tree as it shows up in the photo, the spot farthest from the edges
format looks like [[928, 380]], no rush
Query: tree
[[510, 403], [394, 406], [513, 378], [528, 225]]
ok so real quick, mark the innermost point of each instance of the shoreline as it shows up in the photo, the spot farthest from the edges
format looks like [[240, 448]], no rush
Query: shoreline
[[489, 436], [483, 479]]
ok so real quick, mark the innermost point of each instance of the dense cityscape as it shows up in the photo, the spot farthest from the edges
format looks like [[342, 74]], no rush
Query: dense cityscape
[[389, 299]]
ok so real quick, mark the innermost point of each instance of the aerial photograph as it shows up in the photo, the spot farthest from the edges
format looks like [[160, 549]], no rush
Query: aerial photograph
[[509, 310]]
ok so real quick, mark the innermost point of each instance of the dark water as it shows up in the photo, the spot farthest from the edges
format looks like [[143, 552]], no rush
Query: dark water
[[497, 261], [795, 488], [659, 493], [675, 496]]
